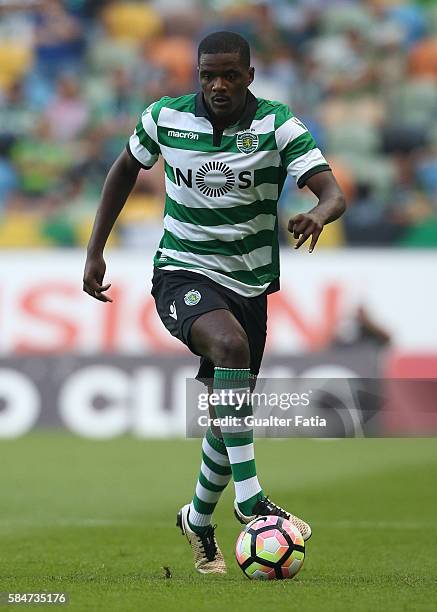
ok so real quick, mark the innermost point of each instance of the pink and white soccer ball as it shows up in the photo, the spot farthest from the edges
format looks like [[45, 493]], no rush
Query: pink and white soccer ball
[[270, 548]]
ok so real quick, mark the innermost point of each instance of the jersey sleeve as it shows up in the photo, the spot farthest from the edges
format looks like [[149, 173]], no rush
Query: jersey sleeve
[[143, 144], [300, 155]]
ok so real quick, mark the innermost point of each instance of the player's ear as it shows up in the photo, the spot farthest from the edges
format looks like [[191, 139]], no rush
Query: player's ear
[[251, 75]]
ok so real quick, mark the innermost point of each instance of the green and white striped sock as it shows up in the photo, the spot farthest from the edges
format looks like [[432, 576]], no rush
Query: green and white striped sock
[[238, 438], [215, 473]]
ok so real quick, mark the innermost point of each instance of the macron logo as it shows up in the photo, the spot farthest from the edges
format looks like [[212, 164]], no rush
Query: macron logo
[[177, 134]]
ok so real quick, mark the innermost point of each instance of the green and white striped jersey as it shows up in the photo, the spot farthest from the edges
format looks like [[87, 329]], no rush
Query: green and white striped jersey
[[222, 189]]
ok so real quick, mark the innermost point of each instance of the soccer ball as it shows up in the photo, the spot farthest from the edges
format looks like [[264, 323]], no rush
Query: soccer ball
[[270, 548]]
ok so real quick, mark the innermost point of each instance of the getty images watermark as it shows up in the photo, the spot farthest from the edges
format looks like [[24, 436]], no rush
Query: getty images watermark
[[238, 401], [316, 407]]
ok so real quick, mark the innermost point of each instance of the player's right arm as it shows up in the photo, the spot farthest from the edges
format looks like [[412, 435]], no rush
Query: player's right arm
[[116, 189], [142, 151]]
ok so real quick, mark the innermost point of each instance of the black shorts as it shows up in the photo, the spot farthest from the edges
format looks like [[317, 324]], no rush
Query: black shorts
[[181, 297]]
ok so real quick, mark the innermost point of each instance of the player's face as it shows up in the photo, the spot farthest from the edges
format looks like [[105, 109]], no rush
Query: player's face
[[224, 81]]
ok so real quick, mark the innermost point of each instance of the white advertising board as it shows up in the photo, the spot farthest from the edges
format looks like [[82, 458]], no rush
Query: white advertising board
[[44, 310]]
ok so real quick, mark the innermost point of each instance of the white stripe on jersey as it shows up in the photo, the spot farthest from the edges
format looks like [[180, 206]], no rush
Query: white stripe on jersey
[[149, 125], [181, 120], [178, 120], [140, 152], [287, 132], [262, 126], [302, 164]]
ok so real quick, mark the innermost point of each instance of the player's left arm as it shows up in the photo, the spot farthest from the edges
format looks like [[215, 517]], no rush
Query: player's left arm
[[330, 207]]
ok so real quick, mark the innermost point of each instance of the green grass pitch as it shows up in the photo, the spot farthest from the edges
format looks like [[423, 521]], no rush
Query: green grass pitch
[[97, 520]]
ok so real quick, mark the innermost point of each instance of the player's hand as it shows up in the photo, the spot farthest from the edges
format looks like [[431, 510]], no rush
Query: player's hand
[[303, 226], [95, 268]]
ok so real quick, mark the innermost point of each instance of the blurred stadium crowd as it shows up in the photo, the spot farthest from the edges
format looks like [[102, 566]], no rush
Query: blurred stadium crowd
[[75, 75]]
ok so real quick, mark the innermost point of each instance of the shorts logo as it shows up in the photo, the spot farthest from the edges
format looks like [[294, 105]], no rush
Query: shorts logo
[[247, 142], [173, 313], [192, 297]]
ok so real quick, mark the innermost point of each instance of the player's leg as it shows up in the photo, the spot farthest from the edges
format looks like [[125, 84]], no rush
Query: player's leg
[[252, 314], [194, 519], [215, 470], [180, 298], [219, 337], [215, 473], [219, 340]]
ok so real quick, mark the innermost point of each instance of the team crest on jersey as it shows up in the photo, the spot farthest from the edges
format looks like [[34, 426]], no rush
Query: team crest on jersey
[[247, 142], [192, 297]]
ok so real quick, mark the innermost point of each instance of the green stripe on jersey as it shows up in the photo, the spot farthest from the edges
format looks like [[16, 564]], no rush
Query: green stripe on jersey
[[169, 172], [200, 141], [145, 139], [266, 175], [219, 216], [298, 147], [219, 247]]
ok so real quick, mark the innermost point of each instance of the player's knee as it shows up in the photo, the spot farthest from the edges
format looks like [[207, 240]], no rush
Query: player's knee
[[231, 350]]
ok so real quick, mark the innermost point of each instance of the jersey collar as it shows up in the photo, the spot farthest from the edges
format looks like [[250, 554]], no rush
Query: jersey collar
[[246, 118]]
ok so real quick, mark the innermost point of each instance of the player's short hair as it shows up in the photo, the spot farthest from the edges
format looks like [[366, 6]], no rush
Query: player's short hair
[[225, 42]]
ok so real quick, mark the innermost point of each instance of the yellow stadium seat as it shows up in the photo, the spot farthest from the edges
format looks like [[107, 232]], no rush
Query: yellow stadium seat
[[131, 21], [15, 61], [21, 230], [83, 229], [332, 236], [141, 207]]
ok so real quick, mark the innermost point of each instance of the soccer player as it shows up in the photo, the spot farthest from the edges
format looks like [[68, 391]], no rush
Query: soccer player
[[227, 154]]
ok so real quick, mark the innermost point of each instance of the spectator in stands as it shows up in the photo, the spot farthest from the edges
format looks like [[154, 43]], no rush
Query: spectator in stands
[[16, 114], [68, 113], [41, 162], [59, 40]]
